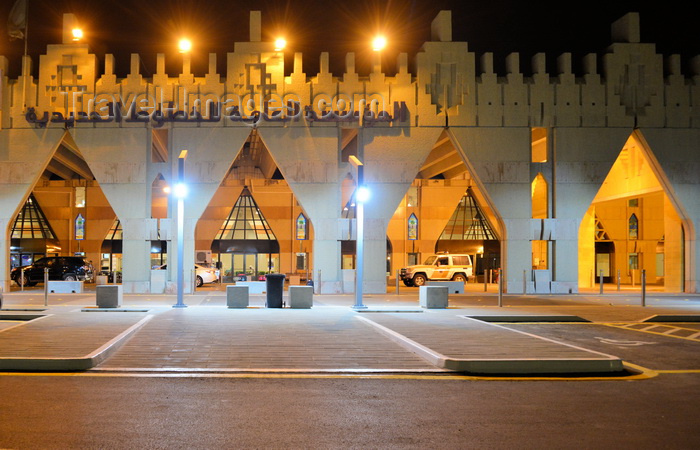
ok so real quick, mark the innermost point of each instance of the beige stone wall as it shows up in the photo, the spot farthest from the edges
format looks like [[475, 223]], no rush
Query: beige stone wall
[[489, 118]]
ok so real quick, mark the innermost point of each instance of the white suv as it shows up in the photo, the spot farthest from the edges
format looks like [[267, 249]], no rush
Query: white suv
[[439, 267]]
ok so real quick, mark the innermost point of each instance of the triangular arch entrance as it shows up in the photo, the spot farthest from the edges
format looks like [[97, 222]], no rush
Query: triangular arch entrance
[[445, 195], [634, 227], [73, 204], [249, 226]]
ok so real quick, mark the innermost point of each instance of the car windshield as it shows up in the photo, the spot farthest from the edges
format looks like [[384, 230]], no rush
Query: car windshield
[[430, 260]]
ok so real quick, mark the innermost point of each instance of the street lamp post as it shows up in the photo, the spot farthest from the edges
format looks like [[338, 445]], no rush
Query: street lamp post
[[361, 196], [180, 192]]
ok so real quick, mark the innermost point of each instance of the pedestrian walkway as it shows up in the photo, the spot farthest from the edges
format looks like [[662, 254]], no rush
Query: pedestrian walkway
[[147, 334], [214, 338]]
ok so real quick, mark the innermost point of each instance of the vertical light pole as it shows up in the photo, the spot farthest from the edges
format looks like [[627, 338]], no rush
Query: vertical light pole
[[180, 193], [361, 196]]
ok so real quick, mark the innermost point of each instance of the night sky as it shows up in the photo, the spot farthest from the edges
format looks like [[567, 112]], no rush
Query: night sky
[[149, 27]]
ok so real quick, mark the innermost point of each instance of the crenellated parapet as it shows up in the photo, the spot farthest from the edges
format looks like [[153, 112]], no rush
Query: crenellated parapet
[[633, 86]]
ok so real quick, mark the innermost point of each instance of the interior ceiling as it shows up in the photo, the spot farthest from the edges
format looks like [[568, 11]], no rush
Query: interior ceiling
[[254, 160], [443, 162], [67, 164]]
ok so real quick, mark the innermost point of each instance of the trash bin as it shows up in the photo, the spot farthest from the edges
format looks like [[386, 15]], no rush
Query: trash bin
[[275, 289]]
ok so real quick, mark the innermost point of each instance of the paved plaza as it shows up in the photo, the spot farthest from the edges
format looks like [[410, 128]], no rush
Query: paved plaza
[[392, 335]]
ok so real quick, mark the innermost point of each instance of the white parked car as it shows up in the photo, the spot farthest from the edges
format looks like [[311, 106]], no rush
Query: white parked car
[[203, 274], [439, 267]]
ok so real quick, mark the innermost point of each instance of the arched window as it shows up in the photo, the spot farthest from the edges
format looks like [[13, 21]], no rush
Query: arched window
[[633, 227]]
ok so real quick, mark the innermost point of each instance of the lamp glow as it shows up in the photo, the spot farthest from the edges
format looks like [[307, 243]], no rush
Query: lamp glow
[[185, 45], [180, 190], [77, 34], [280, 44], [166, 189], [363, 194], [379, 43]]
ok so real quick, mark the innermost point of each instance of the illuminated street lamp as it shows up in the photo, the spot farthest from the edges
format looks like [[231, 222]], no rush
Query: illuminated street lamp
[[378, 43], [362, 194], [180, 191], [185, 45], [77, 34], [280, 44]]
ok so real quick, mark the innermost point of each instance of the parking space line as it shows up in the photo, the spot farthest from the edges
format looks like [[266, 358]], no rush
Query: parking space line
[[669, 332]]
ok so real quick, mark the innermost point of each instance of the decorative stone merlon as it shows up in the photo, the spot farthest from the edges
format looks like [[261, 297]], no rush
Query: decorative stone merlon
[[441, 28], [626, 29]]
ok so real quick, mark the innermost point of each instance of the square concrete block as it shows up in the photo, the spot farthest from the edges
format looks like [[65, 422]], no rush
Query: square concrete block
[[109, 296], [301, 296], [454, 287], [433, 297], [254, 287], [237, 296], [65, 287]]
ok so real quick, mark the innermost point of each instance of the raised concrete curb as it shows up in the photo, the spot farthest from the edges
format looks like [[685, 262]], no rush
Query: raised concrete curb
[[73, 364], [601, 363]]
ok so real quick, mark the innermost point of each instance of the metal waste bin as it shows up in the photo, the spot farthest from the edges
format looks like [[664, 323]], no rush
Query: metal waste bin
[[275, 289]]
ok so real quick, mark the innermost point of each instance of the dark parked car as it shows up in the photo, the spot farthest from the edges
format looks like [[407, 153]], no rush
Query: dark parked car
[[66, 268]]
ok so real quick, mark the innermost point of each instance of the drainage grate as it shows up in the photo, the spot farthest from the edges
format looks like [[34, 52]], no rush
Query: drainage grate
[[528, 319], [19, 317], [113, 310], [673, 318]]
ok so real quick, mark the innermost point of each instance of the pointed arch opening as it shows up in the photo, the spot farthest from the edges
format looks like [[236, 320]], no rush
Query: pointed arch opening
[[67, 206], [446, 208], [633, 225], [249, 227]]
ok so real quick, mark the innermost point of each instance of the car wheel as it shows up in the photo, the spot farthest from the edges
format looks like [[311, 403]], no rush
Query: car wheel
[[459, 277], [27, 281], [419, 280], [70, 277], [407, 283], [200, 281]]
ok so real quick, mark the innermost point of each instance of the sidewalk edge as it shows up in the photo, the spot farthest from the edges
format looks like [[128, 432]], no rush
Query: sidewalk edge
[[74, 363]]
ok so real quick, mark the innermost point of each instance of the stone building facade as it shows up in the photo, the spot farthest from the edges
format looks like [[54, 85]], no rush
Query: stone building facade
[[451, 125]]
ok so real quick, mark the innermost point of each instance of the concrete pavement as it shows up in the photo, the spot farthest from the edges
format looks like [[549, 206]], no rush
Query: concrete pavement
[[393, 335]]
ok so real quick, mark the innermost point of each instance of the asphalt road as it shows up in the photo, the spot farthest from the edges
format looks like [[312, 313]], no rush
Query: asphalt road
[[97, 411]]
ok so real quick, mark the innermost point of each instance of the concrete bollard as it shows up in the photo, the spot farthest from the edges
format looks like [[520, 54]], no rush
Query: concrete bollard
[[109, 296], [237, 296], [433, 297], [301, 297]]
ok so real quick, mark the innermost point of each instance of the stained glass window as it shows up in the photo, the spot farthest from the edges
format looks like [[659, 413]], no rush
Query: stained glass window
[[633, 227]]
